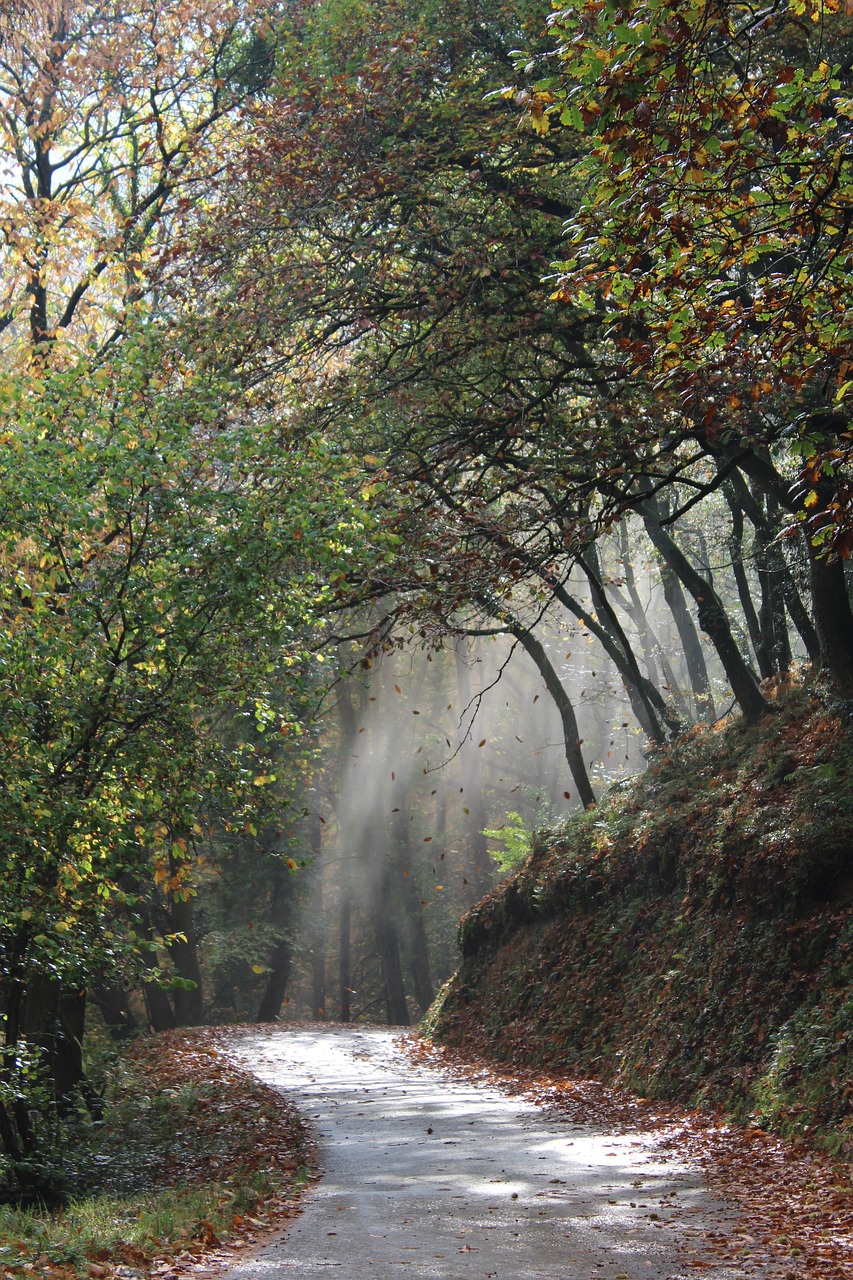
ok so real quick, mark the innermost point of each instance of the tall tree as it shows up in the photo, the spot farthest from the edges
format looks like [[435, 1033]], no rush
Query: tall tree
[[110, 114], [715, 233]]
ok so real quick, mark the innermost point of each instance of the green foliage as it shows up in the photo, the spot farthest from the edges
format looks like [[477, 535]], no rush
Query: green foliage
[[713, 236], [163, 559], [513, 837]]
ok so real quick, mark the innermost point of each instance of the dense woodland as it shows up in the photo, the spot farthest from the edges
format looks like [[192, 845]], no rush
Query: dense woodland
[[414, 416]]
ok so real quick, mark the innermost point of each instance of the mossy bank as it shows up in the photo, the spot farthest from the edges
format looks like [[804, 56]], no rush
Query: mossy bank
[[692, 936]]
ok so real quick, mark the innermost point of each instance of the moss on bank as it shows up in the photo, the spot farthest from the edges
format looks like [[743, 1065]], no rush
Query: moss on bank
[[692, 936]]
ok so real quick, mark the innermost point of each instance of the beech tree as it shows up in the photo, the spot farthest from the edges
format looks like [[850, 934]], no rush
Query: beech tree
[[408, 259], [151, 581], [110, 114], [714, 238]]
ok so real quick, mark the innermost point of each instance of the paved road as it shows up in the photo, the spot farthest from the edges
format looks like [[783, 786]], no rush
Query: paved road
[[426, 1176]]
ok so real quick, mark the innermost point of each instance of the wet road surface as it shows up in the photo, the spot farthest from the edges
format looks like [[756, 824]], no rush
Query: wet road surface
[[428, 1176]]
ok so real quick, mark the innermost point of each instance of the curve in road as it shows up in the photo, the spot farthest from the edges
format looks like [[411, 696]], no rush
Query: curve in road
[[428, 1176]]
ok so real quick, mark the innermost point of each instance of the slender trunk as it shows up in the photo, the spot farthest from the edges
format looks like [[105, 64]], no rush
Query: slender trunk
[[712, 616], [479, 861], [833, 616], [419, 962], [691, 645], [652, 648], [413, 926], [554, 685], [647, 701], [383, 915], [348, 731], [797, 611], [637, 688], [774, 628], [344, 952], [759, 648], [187, 1001], [633, 606], [280, 916], [279, 976], [318, 953]]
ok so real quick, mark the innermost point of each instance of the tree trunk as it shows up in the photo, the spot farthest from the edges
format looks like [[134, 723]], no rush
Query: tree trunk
[[276, 988], [767, 535], [637, 688], [318, 952], [345, 952], [554, 685], [158, 1006], [111, 1000], [712, 617], [647, 701], [834, 620], [279, 963], [652, 648], [691, 645], [54, 1020], [833, 617], [479, 861], [753, 626], [774, 627], [187, 1001], [418, 949], [348, 732]]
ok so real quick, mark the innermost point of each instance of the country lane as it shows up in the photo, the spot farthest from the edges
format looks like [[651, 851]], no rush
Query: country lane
[[425, 1175]]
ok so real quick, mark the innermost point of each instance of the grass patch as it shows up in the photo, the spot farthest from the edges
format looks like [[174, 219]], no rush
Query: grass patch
[[192, 1154]]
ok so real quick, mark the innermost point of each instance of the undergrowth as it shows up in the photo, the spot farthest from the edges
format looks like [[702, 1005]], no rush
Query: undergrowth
[[691, 937], [191, 1153]]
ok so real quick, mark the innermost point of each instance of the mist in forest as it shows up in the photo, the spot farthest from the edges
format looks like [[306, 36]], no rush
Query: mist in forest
[[425, 750]]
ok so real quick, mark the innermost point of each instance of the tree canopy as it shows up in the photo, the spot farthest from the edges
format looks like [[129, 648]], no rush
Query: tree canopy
[[341, 336]]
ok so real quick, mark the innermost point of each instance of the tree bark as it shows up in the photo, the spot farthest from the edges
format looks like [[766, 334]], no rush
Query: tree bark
[[53, 1020], [188, 1002], [276, 988], [158, 1006], [712, 616], [280, 960], [554, 685], [833, 616], [753, 626], [348, 732], [640, 702], [344, 952], [418, 949], [112, 1002], [318, 952], [479, 861], [834, 620], [383, 913]]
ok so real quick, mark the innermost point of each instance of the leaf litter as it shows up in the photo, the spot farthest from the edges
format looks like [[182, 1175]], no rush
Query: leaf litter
[[240, 1143], [794, 1207]]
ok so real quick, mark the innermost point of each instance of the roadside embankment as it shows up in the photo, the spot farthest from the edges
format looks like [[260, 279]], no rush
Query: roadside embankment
[[692, 936]]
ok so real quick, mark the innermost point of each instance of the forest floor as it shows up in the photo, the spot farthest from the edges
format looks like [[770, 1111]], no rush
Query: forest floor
[[659, 1191], [196, 1159]]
